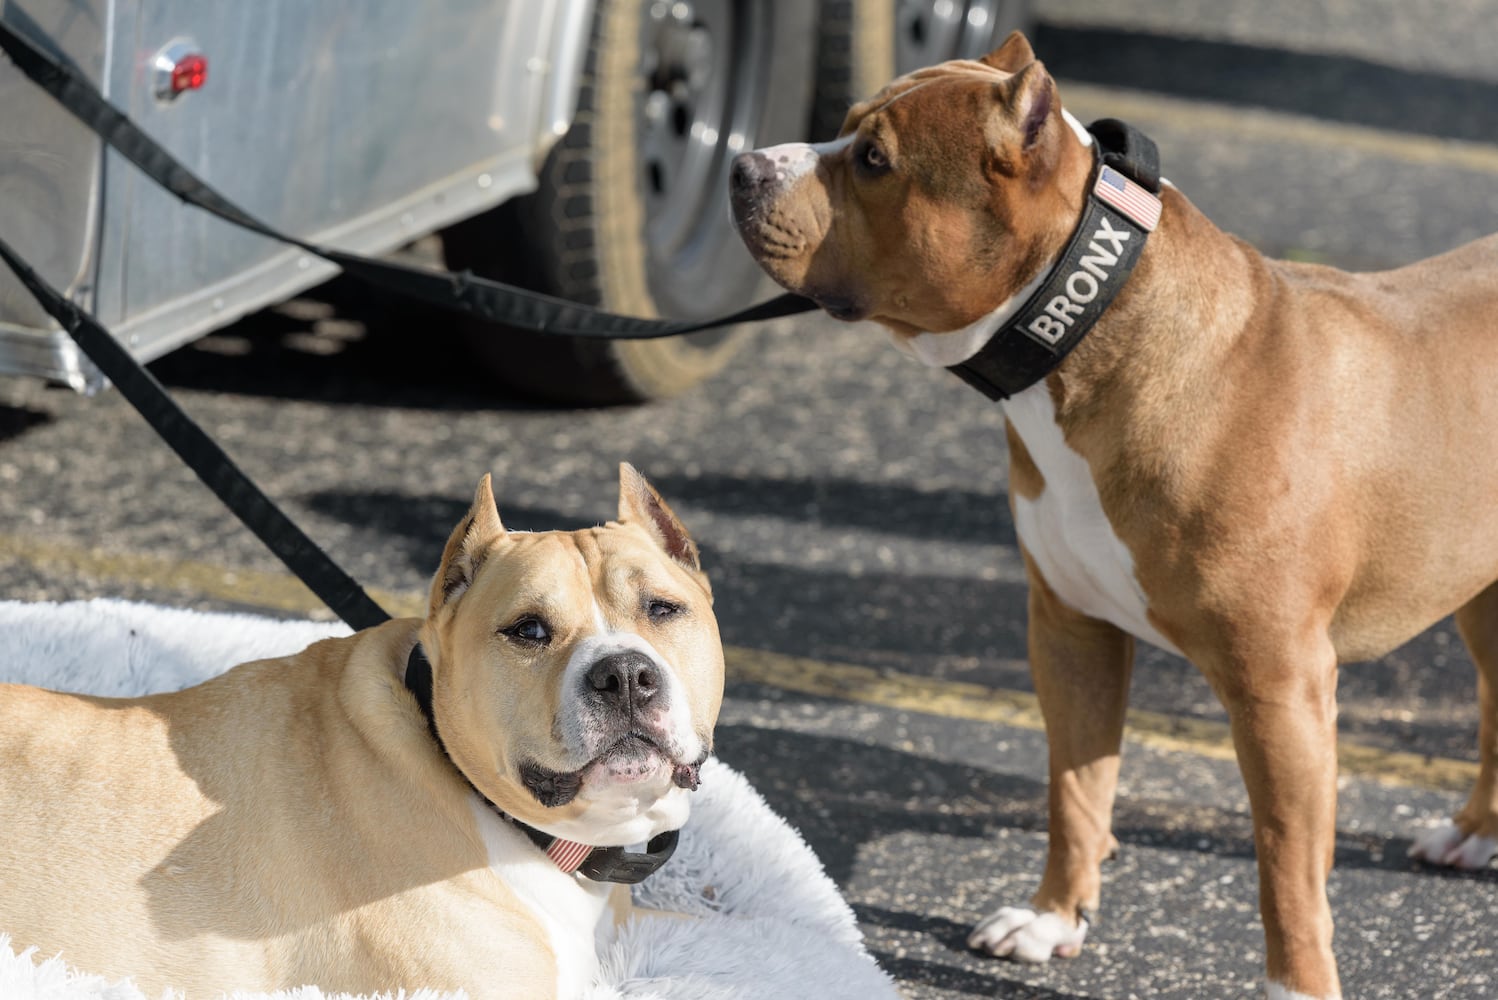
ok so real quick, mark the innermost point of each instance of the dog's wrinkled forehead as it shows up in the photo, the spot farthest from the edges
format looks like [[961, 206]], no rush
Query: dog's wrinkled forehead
[[574, 574], [904, 95], [936, 126]]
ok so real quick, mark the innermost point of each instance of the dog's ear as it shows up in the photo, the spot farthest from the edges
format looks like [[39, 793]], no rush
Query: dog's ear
[[640, 504], [1022, 131], [1030, 97], [1012, 56], [466, 547]]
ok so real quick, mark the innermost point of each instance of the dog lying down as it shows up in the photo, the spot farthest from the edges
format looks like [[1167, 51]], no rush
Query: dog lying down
[[442, 803]]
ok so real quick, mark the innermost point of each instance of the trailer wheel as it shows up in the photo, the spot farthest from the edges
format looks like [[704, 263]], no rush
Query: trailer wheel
[[631, 214], [932, 31]]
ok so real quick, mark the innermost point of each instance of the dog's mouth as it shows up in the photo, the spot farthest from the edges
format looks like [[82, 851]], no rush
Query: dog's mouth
[[842, 307], [634, 758]]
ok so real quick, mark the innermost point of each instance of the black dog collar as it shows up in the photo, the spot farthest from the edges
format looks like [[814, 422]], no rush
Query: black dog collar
[[601, 864], [1122, 209]]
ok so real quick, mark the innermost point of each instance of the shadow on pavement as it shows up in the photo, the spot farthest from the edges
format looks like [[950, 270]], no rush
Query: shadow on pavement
[[17, 420], [951, 978], [943, 515], [857, 792], [1314, 84], [341, 343]]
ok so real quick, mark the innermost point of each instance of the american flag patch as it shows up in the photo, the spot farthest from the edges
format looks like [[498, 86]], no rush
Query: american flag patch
[[568, 854], [1128, 197]]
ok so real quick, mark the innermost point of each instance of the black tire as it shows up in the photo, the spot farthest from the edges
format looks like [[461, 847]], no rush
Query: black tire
[[631, 212], [928, 32], [855, 57]]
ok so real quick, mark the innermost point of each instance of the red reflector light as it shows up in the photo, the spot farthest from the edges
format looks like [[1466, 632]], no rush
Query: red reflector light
[[190, 73], [179, 66]]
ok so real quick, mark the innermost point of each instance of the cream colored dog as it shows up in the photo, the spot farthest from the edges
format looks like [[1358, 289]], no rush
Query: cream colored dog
[[1268, 467], [304, 821]]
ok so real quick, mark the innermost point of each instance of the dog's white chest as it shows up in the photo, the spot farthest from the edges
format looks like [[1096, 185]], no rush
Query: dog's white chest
[[1065, 530], [573, 912]]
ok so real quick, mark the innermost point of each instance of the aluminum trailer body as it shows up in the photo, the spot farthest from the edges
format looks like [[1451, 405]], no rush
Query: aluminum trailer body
[[360, 125]]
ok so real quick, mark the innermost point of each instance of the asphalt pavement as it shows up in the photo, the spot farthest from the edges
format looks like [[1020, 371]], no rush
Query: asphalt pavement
[[851, 510]]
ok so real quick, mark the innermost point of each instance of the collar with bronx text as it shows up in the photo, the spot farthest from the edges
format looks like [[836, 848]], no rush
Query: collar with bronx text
[[601, 864], [1122, 209]]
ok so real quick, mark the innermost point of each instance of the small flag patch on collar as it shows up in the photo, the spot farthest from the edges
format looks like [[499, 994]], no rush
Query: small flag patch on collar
[[1128, 197], [568, 854]]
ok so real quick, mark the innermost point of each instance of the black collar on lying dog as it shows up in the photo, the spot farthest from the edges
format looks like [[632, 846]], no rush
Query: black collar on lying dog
[[1122, 209], [601, 864]]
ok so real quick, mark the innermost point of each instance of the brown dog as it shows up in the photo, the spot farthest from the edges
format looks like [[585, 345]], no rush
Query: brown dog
[[1267, 467], [343, 818]]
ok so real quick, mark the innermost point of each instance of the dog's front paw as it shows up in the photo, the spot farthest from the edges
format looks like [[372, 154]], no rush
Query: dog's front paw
[[1446, 844], [1020, 933]]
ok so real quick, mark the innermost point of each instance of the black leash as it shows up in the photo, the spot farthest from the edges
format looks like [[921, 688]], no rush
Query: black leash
[[461, 292], [202, 454]]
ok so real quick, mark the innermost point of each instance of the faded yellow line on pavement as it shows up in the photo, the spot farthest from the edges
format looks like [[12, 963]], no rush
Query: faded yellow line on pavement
[[846, 681], [1157, 730], [269, 591], [1249, 124]]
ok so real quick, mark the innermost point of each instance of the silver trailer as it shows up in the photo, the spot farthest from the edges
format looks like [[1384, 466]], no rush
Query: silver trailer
[[579, 147], [337, 121]]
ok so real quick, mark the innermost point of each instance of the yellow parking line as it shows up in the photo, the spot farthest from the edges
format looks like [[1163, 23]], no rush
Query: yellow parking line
[[282, 592], [1020, 709], [269, 591]]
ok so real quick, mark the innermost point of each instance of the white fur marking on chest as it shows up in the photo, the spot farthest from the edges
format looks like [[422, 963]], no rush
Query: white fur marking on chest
[[573, 911], [1065, 530]]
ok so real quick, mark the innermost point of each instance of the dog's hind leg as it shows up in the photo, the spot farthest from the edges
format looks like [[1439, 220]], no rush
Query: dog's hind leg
[[1470, 839], [1081, 669]]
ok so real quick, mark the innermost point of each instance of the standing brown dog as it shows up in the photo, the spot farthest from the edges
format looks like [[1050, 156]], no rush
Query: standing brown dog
[[1266, 467]]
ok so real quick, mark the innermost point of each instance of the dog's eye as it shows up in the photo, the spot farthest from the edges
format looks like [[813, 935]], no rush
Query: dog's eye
[[660, 610], [529, 629], [872, 158]]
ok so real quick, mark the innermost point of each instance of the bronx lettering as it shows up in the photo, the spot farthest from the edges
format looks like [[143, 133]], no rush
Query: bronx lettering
[[1082, 285]]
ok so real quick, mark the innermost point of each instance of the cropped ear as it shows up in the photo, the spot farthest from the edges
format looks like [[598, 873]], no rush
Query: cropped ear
[[466, 548], [1022, 127], [1012, 56], [1031, 97], [640, 504]]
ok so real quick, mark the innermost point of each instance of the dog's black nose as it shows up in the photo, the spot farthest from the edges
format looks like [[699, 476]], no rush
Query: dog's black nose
[[751, 170], [627, 678]]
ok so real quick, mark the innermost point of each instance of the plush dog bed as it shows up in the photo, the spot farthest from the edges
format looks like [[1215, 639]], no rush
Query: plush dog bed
[[772, 923]]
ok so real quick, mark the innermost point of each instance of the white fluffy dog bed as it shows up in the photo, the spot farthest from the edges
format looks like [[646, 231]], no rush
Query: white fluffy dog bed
[[773, 924]]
